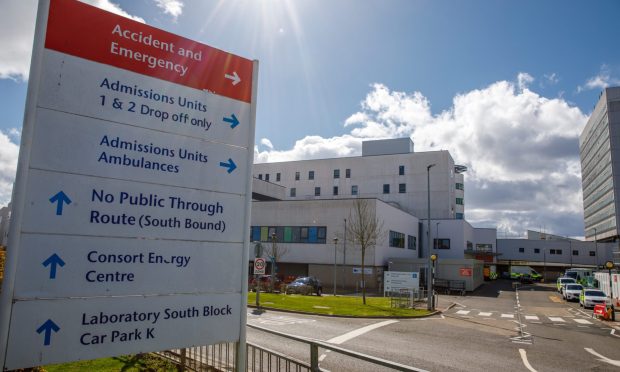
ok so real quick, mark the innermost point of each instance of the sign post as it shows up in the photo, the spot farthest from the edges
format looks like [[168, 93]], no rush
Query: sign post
[[134, 173]]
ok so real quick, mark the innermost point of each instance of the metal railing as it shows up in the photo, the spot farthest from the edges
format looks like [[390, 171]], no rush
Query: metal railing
[[222, 357]]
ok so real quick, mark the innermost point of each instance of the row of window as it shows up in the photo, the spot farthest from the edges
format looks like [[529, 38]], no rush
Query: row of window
[[289, 234], [397, 240], [558, 251], [311, 174], [402, 188]]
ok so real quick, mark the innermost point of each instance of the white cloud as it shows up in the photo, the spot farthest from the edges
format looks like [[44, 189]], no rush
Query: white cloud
[[524, 80], [552, 78], [172, 7], [266, 142], [601, 80], [9, 153], [17, 20], [521, 149]]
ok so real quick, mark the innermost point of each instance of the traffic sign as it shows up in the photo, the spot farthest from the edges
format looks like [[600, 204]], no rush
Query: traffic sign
[[130, 221], [259, 266]]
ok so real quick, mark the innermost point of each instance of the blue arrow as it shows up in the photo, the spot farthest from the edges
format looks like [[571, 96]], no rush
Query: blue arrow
[[230, 165], [48, 327], [53, 261], [232, 120], [61, 198]]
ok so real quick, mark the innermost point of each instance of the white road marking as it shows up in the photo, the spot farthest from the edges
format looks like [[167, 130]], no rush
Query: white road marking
[[613, 333], [358, 332], [484, 314], [511, 316], [603, 358], [525, 361], [582, 321], [463, 312], [531, 317], [556, 319]]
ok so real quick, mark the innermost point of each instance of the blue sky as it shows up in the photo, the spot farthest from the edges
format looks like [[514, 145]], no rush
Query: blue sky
[[503, 85]]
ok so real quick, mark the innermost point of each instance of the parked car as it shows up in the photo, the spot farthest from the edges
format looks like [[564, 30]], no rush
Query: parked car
[[591, 297], [564, 281], [305, 285], [265, 283], [572, 292]]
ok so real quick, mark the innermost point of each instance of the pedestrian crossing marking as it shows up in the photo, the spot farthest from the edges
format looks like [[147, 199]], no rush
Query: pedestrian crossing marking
[[556, 319], [511, 316], [485, 314], [531, 317], [463, 312], [582, 321]]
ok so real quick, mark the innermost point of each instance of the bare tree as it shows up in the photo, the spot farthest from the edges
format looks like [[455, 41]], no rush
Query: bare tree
[[364, 230], [275, 252]]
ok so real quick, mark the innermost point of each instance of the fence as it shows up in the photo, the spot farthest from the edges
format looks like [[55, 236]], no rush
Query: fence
[[222, 357]]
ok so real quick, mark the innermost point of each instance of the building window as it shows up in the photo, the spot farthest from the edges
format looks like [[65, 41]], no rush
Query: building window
[[470, 246], [354, 190], [552, 251], [290, 234], [335, 190], [441, 243], [592, 254], [296, 176], [402, 188], [386, 188], [558, 251], [459, 216], [459, 201], [260, 176], [293, 192], [521, 250], [575, 252], [397, 240], [460, 186], [401, 170], [277, 177], [412, 242], [484, 247], [310, 175], [536, 250], [317, 191], [336, 173], [347, 173], [267, 177]]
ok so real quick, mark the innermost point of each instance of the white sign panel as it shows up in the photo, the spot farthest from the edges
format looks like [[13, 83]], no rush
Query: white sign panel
[[396, 280], [130, 221], [259, 266]]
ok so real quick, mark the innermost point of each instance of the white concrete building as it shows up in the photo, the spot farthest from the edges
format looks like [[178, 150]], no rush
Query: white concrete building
[[388, 170], [305, 231]]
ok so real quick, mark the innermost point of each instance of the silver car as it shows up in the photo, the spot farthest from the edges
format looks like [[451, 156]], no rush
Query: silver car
[[572, 291]]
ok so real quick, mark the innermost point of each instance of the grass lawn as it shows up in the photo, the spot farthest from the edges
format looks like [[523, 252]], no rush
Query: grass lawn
[[330, 305], [125, 363]]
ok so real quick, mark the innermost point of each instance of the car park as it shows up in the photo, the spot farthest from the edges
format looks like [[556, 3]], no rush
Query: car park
[[564, 281], [572, 292], [305, 285], [591, 297], [265, 283]]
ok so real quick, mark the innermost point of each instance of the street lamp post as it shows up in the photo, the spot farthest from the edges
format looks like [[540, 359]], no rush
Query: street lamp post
[[595, 249], [429, 271], [544, 263], [335, 265], [570, 251], [436, 244], [344, 254], [610, 265], [272, 258]]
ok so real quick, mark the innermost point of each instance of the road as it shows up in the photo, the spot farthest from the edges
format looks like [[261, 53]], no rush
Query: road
[[530, 329]]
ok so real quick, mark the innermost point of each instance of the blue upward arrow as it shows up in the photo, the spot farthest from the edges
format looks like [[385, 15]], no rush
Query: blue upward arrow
[[230, 165], [232, 120], [61, 198], [48, 327], [53, 261]]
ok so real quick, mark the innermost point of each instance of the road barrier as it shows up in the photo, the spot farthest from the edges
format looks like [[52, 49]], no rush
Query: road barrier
[[222, 357]]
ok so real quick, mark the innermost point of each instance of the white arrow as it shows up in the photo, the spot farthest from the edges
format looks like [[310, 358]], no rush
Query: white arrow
[[234, 77]]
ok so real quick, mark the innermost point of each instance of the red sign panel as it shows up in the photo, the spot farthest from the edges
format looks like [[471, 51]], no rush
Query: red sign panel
[[465, 271], [121, 42]]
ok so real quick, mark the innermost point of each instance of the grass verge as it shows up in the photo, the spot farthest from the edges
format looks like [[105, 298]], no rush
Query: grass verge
[[125, 363], [334, 305]]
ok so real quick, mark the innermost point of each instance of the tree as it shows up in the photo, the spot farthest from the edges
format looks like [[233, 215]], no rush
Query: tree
[[364, 230], [275, 252]]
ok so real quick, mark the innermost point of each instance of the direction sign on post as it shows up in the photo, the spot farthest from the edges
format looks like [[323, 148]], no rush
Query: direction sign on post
[[130, 221], [259, 266]]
